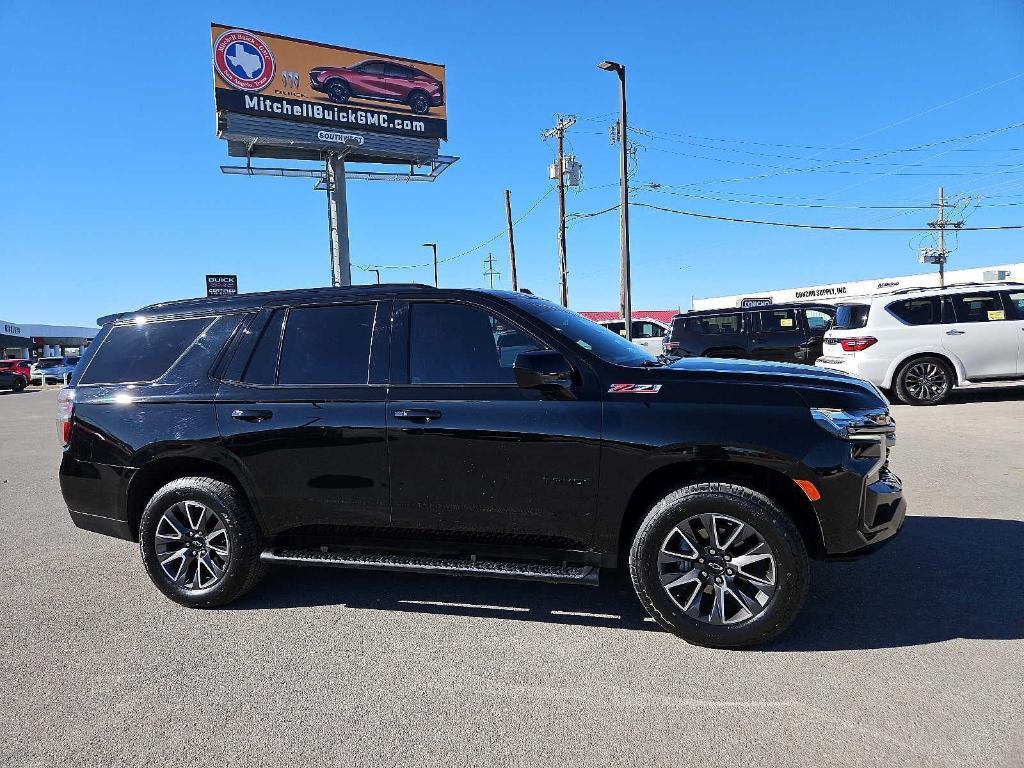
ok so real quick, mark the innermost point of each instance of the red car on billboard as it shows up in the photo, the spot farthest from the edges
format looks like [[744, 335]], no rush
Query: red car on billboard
[[379, 80]]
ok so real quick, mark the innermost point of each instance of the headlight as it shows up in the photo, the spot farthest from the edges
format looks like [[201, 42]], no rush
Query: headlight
[[861, 424]]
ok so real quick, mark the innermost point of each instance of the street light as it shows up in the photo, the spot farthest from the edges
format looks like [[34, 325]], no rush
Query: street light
[[434, 247], [625, 285]]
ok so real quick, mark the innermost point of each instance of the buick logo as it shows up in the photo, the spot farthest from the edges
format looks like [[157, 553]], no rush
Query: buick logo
[[290, 79]]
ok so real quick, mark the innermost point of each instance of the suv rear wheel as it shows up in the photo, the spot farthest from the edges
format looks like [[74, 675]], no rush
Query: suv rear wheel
[[719, 565], [200, 543], [19, 383], [924, 381]]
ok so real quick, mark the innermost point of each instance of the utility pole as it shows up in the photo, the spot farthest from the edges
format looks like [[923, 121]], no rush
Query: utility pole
[[561, 126], [433, 246], [625, 277], [489, 272], [511, 240], [938, 256]]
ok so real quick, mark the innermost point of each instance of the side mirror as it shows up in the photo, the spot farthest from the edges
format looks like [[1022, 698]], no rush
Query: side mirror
[[543, 369]]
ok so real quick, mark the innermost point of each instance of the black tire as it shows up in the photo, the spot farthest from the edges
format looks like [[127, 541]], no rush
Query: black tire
[[419, 102], [243, 569], [339, 91], [759, 516], [924, 381], [19, 384]]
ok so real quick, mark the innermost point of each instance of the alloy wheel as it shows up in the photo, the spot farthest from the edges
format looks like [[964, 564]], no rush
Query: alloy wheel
[[926, 381], [419, 103], [717, 569], [192, 545]]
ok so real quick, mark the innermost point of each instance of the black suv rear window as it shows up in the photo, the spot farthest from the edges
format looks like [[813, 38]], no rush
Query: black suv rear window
[[712, 324], [142, 351], [851, 316]]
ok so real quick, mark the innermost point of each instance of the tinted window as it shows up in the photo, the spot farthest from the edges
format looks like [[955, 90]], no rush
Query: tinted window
[[1015, 300], [460, 344], [142, 351], [777, 321], [262, 366], [394, 70], [978, 307], [817, 320], [372, 67], [714, 324], [644, 330], [619, 327], [327, 345], [850, 316], [923, 311]]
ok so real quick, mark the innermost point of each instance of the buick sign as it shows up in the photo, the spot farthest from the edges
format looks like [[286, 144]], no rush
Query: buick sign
[[221, 285]]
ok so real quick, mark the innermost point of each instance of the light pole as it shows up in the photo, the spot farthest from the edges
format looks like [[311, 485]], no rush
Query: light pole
[[434, 247], [625, 286], [376, 272]]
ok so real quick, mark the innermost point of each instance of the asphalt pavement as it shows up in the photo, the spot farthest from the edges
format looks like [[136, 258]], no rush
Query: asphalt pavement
[[911, 657]]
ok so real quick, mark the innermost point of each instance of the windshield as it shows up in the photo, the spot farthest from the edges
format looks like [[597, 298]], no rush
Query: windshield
[[587, 334], [850, 316], [47, 362]]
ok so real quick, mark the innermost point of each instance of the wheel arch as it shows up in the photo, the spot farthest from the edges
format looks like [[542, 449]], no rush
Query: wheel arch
[[772, 483], [156, 473], [959, 374]]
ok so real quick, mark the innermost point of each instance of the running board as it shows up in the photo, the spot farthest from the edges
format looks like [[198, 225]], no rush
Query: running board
[[448, 566]]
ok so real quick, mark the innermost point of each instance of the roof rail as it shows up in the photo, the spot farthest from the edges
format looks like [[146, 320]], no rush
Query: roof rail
[[954, 285]]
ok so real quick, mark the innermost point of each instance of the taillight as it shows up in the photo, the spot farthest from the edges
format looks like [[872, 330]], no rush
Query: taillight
[[65, 410], [857, 343]]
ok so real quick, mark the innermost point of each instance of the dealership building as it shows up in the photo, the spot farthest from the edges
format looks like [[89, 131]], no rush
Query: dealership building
[[24, 340], [834, 293]]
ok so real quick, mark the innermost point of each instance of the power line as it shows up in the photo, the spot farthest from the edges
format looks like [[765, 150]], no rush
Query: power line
[[830, 227], [502, 233]]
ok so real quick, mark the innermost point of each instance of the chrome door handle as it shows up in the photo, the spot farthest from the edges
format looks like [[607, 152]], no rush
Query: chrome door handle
[[255, 416], [955, 332], [425, 415]]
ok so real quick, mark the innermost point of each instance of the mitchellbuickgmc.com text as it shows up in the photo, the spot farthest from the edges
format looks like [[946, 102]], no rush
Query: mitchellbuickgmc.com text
[[340, 115]]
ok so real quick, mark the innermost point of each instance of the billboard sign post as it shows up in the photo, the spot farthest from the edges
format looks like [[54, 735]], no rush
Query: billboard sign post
[[222, 285], [284, 98]]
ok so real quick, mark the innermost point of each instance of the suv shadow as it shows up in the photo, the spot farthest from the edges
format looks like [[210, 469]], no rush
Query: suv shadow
[[924, 587]]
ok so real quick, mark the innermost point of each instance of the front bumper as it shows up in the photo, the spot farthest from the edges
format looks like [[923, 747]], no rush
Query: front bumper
[[862, 502]]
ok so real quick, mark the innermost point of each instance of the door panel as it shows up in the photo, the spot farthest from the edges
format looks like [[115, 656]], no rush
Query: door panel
[[776, 335], [492, 457], [315, 451], [982, 337]]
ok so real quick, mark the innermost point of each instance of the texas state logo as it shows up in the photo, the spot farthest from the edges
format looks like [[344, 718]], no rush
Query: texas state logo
[[243, 60]]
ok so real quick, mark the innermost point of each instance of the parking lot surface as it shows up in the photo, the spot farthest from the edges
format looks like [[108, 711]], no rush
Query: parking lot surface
[[913, 656]]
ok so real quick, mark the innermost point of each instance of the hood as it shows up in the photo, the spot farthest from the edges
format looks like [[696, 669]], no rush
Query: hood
[[819, 387]]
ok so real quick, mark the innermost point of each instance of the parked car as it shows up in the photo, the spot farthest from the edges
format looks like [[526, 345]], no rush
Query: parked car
[[53, 368], [649, 334], [789, 333], [11, 379], [379, 81], [20, 366], [218, 434], [921, 343]]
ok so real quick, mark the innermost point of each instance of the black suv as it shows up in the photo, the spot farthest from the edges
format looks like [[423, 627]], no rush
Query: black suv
[[487, 433], [787, 333]]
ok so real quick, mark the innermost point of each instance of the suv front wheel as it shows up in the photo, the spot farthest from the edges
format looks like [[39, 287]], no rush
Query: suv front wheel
[[200, 543], [719, 565]]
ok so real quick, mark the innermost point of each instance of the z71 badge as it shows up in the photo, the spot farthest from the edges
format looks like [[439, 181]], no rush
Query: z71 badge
[[635, 389]]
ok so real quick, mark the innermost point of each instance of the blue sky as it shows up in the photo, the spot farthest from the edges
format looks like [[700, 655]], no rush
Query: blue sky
[[111, 197]]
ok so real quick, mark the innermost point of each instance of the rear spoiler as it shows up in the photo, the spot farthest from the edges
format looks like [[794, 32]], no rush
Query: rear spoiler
[[101, 321]]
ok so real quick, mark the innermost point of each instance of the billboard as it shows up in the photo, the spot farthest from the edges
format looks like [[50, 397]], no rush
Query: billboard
[[271, 76]]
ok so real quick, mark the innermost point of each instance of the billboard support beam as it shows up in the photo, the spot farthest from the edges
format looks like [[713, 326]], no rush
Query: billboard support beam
[[337, 221]]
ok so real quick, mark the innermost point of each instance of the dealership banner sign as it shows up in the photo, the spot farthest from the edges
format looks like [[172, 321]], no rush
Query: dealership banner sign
[[257, 73]]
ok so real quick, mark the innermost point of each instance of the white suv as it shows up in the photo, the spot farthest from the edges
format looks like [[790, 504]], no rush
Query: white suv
[[921, 342]]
